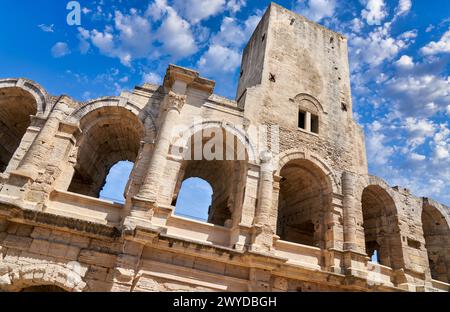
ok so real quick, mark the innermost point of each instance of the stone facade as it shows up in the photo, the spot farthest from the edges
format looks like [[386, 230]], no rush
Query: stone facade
[[298, 212]]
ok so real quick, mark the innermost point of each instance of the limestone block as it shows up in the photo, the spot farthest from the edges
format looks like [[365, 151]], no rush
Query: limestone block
[[17, 242], [97, 258], [41, 233], [40, 246]]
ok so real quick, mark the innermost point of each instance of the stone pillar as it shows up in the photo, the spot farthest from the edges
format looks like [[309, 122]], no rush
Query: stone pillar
[[348, 203], [262, 230], [149, 190], [37, 155], [265, 194], [308, 122]]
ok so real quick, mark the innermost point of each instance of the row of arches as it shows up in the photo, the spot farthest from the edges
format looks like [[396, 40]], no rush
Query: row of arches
[[111, 139]]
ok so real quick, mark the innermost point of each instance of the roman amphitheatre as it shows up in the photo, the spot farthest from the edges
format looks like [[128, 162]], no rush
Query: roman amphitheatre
[[297, 211]]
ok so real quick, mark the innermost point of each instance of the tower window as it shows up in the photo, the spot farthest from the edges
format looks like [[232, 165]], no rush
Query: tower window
[[308, 122], [301, 120]]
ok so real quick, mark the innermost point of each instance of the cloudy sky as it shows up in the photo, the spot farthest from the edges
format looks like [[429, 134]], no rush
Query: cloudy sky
[[399, 56]]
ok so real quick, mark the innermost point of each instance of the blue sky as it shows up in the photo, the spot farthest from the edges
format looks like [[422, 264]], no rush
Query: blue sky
[[399, 56]]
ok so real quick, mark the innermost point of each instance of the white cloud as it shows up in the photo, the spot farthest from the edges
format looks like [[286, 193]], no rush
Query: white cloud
[[224, 52], [83, 37], [46, 28], [417, 157], [374, 12], [198, 10], [378, 150], [375, 47], [60, 49], [413, 94], [132, 36], [219, 59], [135, 34], [405, 62], [152, 78], [419, 130], [404, 6], [448, 110], [442, 46], [175, 35], [235, 6], [316, 10], [442, 144]]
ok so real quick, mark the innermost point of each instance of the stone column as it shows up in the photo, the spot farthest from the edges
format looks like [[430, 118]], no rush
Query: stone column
[[262, 230], [149, 190], [348, 202], [308, 122], [38, 153], [265, 198]]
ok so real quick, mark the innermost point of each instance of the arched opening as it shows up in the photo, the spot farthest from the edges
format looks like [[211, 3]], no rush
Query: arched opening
[[219, 158], [109, 135], [304, 199], [194, 199], [116, 181], [16, 107], [381, 230], [437, 243], [43, 288]]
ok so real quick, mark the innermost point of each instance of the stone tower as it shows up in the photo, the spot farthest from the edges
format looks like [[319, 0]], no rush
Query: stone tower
[[295, 73], [297, 212]]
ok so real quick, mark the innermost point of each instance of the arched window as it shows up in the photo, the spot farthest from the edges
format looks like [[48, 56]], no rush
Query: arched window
[[16, 107], [195, 199], [381, 231], [116, 181], [303, 201], [109, 135], [217, 157], [437, 242]]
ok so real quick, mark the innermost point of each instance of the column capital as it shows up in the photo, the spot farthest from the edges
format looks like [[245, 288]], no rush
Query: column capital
[[175, 101]]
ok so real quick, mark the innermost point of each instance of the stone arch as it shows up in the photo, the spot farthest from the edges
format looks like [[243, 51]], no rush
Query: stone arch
[[113, 101], [66, 277], [283, 158], [436, 232], [310, 99], [182, 140], [381, 223], [33, 89], [19, 101], [109, 134], [305, 195], [227, 176]]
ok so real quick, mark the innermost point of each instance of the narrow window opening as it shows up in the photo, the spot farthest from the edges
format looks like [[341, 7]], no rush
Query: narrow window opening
[[242, 73], [194, 200], [301, 119], [116, 182], [315, 124], [263, 37], [344, 107], [375, 258]]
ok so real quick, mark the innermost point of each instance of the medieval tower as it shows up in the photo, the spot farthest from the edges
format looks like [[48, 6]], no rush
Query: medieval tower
[[294, 207]]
